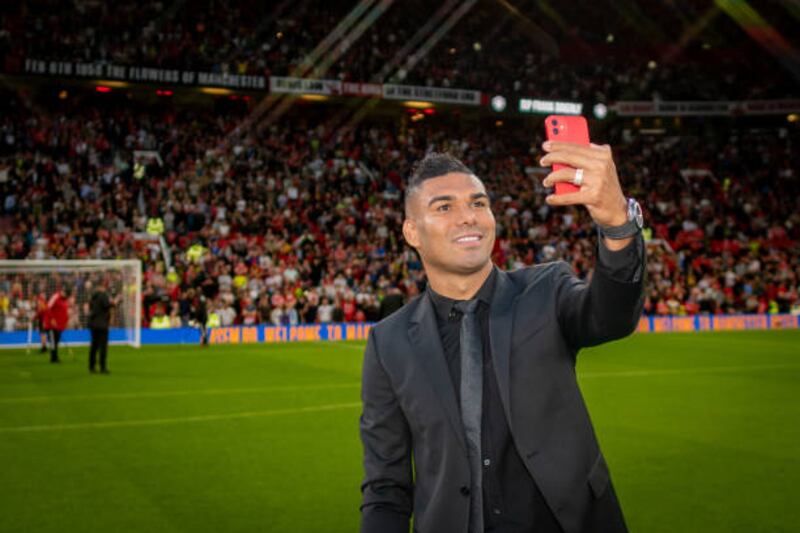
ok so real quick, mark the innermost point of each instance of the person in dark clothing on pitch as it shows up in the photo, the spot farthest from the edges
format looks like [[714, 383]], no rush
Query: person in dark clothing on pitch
[[201, 316], [99, 319]]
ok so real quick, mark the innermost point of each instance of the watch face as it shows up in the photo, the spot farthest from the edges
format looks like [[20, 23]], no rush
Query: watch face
[[635, 212]]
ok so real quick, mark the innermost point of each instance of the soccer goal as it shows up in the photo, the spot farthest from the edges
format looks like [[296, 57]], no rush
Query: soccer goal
[[27, 286]]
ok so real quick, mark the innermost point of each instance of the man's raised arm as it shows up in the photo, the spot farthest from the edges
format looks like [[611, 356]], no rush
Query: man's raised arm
[[610, 306]]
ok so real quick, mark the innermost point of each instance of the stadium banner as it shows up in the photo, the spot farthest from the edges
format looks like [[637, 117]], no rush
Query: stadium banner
[[366, 90], [769, 107], [287, 85], [264, 333], [705, 108], [108, 71], [432, 94], [659, 324], [261, 333], [671, 109], [547, 107]]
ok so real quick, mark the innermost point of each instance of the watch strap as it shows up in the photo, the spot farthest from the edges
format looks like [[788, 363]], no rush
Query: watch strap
[[628, 229]]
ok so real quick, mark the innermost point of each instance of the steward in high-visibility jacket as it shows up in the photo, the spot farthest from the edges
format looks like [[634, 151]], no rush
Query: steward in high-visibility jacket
[[214, 321], [160, 322], [155, 226]]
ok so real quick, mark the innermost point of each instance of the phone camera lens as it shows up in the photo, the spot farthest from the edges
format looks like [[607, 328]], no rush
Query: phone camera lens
[[554, 122], [555, 131]]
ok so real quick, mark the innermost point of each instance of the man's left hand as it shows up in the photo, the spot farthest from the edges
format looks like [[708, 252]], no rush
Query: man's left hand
[[600, 190]]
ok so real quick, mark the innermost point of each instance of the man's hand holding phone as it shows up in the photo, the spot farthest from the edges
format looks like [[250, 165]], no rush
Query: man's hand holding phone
[[588, 169], [598, 185]]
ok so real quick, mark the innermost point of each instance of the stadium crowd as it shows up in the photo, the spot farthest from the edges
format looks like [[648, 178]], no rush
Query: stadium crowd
[[661, 50], [301, 223]]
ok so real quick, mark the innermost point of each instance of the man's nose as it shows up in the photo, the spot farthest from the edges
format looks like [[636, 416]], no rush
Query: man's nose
[[467, 215]]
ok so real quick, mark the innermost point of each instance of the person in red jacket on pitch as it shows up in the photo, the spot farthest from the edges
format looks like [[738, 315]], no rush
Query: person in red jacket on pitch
[[57, 316]]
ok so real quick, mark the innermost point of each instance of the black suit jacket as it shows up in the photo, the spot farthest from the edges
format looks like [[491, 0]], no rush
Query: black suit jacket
[[539, 318]]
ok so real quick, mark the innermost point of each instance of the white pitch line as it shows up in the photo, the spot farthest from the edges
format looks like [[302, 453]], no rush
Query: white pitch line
[[683, 371], [290, 388], [341, 344], [658, 372], [164, 394], [177, 420]]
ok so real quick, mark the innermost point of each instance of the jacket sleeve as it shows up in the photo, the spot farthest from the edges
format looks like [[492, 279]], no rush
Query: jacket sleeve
[[387, 491], [610, 305]]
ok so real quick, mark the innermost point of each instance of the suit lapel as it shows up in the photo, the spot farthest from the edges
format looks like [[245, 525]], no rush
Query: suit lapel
[[500, 315], [424, 334]]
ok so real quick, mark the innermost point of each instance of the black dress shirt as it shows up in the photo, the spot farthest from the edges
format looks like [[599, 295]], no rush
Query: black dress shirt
[[512, 503]]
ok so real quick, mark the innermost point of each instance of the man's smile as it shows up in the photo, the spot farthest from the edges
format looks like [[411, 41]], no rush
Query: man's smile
[[468, 239]]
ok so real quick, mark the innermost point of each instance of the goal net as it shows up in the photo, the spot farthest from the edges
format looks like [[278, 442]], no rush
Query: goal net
[[27, 285]]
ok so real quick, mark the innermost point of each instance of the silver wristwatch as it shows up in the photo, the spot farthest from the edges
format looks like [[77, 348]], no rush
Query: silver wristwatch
[[630, 228]]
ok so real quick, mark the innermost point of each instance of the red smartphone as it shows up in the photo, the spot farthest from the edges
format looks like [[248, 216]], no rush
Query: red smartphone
[[566, 128]]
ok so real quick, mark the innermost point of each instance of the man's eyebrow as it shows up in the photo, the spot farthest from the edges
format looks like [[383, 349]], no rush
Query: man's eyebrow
[[441, 198], [450, 198]]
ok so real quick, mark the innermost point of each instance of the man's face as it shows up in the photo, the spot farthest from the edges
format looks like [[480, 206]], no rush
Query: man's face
[[450, 223]]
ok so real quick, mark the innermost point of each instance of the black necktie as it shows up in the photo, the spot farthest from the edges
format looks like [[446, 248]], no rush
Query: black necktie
[[471, 400]]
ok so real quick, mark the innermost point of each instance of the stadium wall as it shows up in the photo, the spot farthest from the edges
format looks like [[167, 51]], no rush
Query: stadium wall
[[347, 332], [231, 335]]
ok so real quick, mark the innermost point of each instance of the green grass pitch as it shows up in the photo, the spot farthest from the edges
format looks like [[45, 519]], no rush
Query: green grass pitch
[[702, 433]]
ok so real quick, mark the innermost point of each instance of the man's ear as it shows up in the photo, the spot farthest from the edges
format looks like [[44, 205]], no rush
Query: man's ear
[[410, 232]]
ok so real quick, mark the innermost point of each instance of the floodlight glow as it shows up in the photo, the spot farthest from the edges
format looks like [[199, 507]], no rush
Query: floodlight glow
[[600, 110], [216, 91], [498, 103], [314, 97]]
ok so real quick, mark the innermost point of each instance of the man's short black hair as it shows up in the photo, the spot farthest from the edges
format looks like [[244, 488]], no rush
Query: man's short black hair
[[433, 165]]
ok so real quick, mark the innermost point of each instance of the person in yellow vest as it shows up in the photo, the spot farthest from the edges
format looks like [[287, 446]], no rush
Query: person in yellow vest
[[160, 320], [172, 276], [214, 320], [195, 252], [155, 225], [139, 169]]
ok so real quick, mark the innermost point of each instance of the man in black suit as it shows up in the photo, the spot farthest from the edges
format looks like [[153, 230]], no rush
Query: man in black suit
[[475, 379]]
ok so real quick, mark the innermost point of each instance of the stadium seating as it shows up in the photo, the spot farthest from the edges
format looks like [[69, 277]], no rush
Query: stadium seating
[[545, 53], [301, 215]]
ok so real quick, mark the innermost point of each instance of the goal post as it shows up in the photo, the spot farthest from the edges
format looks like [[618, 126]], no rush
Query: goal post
[[25, 284]]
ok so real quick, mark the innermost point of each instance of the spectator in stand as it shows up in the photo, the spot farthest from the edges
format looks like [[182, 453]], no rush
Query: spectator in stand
[[391, 302], [308, 307], [724, 238], [227, 314], [289, 316], [277, 314], [160, 318], [325, 311], [175, 320]]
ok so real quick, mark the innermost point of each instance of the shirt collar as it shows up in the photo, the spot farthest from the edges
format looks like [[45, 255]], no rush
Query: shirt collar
[[444, 305]]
